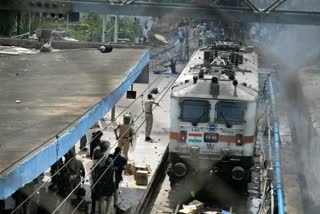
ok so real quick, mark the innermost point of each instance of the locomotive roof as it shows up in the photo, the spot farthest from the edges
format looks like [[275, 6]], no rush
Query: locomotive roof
[[226, 91], [248, 75]]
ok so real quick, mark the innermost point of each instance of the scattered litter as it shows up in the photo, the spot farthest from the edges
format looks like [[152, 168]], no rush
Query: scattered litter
[[193, 207], [130, 169]]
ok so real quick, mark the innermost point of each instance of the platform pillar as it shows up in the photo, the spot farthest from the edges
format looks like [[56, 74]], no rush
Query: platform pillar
[[104, 26], [116, 29]]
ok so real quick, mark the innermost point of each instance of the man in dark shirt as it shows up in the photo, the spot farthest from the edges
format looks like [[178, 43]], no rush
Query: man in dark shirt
[[119, 165], [172, 66], [96, 140]]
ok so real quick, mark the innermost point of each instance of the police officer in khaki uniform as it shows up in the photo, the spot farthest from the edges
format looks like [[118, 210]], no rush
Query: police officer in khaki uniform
[[148, 106], [124, 133]]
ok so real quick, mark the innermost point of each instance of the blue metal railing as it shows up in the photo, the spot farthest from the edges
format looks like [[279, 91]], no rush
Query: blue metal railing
[[276, 148]]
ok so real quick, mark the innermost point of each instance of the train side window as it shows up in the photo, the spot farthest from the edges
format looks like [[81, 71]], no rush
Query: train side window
[[230, 112], [195, 111]]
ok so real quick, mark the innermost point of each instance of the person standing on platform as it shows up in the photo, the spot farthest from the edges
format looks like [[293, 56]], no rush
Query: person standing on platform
[[145, 33], [124, 134], [96, 140], [76, 169], [99, 152], [104, 179], [172, 66], [119, 165], [148, 107]]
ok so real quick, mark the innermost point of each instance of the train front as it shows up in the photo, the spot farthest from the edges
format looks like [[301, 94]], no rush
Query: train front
[[213, 126]]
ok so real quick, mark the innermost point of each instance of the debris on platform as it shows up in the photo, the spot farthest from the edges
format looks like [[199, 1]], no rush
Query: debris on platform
[[188, 209], [194, 206], [212, 212], [141, 177], [130, 169], [199, 205], [123, 205]]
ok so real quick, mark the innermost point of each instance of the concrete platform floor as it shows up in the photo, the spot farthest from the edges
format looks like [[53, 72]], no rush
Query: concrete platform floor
[[145, 153], [142, 153]]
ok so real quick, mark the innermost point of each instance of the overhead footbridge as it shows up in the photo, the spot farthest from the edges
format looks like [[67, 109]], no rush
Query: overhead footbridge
[[50, 100]]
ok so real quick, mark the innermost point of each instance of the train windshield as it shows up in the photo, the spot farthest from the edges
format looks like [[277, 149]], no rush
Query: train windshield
[[230, 112], [195, 111]]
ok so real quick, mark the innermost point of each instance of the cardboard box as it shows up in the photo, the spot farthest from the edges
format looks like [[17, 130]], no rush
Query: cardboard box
[[141, 177], [140, 168]]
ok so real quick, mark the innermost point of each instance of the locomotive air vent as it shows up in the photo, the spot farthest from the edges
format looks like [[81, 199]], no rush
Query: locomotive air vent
[[195, 79], [235, 84], [214, 87]]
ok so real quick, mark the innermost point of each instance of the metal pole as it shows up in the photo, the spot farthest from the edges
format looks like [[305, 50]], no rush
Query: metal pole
[[116, 29], [113, 114], [104, 26], [29, 23], [67, 23]]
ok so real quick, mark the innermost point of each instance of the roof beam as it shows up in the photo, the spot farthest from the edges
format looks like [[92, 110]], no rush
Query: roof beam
[[274, 6], [198, 11], [251, 5]]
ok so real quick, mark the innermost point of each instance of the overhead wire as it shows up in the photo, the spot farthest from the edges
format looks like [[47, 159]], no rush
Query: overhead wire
[[58, 171], [96, 164], [56, 136], [94, 184]]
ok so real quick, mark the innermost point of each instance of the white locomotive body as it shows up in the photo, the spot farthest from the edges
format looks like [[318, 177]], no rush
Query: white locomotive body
[[213, 115]]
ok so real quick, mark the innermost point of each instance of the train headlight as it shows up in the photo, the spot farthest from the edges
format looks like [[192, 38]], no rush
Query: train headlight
[[183, 136], [238, 173], [239, 139], [179, 169]]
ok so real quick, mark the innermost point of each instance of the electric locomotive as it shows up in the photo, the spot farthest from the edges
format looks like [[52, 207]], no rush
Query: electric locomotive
[[214, 115]]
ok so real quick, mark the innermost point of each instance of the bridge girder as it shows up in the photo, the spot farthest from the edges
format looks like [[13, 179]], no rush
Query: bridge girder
[[158, 9], [197, 11]]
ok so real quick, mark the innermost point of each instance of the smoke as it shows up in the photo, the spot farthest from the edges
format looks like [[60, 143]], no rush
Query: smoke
[[294, 52]]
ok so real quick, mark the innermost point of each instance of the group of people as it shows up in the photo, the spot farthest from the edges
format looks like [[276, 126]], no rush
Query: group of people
[[106, 176], [107, 169], [205, 35]]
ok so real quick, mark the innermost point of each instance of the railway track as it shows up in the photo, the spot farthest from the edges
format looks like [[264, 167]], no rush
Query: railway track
[[160, 198]]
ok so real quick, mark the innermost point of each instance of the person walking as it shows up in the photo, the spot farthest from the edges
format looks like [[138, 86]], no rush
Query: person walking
[[124, 134], [148, 107], [119, 165]]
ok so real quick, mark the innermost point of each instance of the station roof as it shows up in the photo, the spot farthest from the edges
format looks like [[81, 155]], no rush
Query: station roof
[[59, 94]]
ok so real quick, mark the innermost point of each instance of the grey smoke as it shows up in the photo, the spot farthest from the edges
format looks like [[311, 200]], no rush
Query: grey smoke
[[293, 49]]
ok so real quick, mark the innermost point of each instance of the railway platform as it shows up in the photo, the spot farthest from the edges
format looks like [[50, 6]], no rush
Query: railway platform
[[144, 153], [49, 100]]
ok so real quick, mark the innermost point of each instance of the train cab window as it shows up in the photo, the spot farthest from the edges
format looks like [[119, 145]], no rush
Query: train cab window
[[195, 111], [230, 112]]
